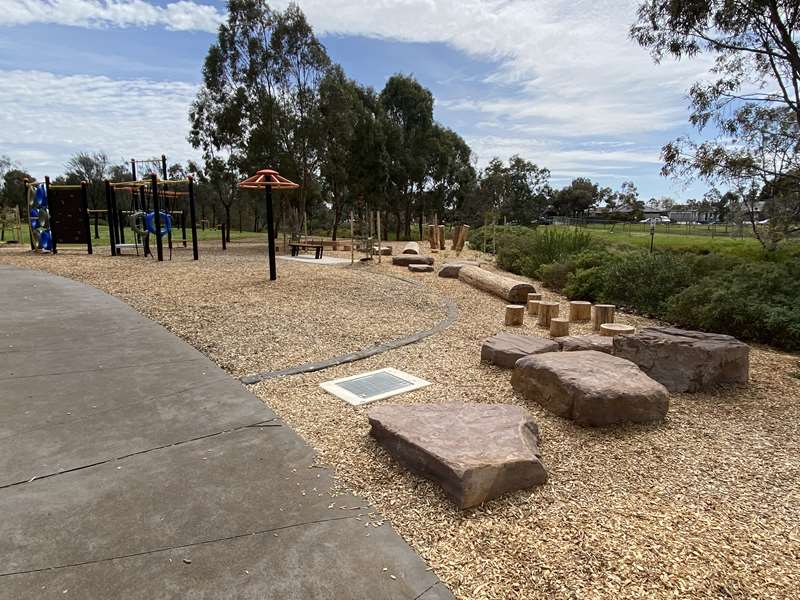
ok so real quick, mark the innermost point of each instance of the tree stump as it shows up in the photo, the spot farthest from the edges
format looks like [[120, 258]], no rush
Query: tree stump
[[514, 314], [534, 297], [580, 311], [411, 248], [612, 329], [547, 310], [602, 313], [533, 307], [559, 327]]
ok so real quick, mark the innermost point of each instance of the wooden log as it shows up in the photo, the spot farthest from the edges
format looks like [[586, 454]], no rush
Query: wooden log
[[456, 233], [511, 290], [534, 296], [442, 243], [612, 329], [514, 314], [602, 313], [547, 311], [403, 260], [411, 248], [559, 327], [462, 237], [580, 311], [533, 307]]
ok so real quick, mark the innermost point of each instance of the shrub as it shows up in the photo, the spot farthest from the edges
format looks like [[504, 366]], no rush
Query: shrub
[[753, 301], [557, 274], [643, 282], [525, 254]]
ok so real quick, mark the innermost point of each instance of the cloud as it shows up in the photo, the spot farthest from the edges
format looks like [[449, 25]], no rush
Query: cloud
[[47, 117], [183, 15]]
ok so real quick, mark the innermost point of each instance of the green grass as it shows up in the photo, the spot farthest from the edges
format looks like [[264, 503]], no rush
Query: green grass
[[103, 240], [745, 247]]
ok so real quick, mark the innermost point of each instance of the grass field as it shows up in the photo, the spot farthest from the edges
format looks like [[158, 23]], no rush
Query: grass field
[[736, 246], [103, 239]]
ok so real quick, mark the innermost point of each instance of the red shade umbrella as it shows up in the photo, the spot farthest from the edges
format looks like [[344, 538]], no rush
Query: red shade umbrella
[[268, 180]]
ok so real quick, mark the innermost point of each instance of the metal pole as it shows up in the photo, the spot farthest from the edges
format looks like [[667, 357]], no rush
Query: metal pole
[[163, 167], [133, 169], [112, 234], [273, 275], [85, 209], [25, 204], [193, 219], [52, 217], [652, 235], [96, 229], [157, 217], [352, 239]]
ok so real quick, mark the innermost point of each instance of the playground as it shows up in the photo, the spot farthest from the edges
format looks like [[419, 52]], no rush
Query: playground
[[702, 504]]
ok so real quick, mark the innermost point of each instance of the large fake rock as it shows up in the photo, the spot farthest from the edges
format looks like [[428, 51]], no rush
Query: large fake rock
[[574, 343], [686, 361], [590, 387], [505, 349], [474, 451], [512, 290], [451, 269], [403, 260], [420, 268]]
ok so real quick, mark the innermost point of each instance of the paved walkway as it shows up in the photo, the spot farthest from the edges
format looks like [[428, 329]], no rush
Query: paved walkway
[[131, 466]]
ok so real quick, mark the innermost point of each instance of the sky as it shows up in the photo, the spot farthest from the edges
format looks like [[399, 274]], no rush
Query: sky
[[556, 81]]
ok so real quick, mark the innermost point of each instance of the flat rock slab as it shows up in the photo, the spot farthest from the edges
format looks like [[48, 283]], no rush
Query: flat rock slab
[[590, 387], [451, 269], [474, 451], [574, 343], [403, 260], [505, 349], [686, 361], [420, 268]]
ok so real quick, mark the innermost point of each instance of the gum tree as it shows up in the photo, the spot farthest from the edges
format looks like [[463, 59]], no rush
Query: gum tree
[[752, 99]]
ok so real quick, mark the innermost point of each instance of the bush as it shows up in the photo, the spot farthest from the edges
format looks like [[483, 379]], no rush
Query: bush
[[556, 275], [643, 282], [525, 254], [753, 301]]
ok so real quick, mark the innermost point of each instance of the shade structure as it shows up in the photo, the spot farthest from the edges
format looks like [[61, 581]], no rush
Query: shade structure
[[268, 180]]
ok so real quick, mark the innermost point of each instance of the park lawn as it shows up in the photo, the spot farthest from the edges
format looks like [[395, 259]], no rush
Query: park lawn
[[202, 235], [744, 247]]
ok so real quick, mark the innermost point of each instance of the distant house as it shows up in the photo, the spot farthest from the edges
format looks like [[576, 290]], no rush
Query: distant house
[[687, 214]]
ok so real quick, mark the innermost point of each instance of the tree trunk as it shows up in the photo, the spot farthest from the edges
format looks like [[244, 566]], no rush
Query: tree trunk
[[580, 311], [547, 312], [507, 288], [337, 216], [559, 327], [227, 222], [515, 315], [602, 313]]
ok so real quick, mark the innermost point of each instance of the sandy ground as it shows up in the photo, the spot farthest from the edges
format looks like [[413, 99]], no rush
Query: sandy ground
[[705, 505]]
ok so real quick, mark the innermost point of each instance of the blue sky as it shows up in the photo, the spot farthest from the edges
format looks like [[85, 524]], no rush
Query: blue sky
[[555, 81]]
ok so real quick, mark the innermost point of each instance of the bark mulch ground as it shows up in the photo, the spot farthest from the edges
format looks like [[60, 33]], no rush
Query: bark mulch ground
[[706, 504]]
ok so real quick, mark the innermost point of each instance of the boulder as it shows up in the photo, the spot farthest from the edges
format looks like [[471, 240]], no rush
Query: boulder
[[686, 361], [590, 387], [474, 451], [505, 349], [420, 268], [403, 260], [572, 343]]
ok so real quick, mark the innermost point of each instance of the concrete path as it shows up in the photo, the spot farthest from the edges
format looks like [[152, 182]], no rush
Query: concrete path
[[131, 466]]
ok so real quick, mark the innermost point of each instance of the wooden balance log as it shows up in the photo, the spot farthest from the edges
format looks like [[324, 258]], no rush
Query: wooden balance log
[[515, 315], [547, 311], [602, 313]]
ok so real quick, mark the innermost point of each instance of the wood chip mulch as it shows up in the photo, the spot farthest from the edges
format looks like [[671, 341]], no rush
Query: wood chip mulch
[[705, 505]]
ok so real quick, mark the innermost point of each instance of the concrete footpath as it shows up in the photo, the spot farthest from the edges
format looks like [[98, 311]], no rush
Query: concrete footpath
[[131, 466]]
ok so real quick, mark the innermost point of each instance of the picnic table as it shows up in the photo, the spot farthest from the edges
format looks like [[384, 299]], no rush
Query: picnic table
[[297, 246]]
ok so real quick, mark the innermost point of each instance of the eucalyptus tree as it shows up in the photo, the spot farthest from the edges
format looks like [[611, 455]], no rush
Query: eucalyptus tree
[[259, 102], [452, 175], [753, 98], [408, 109]]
